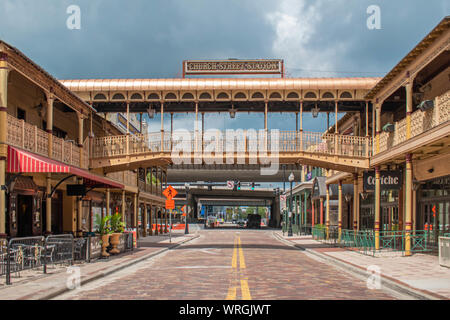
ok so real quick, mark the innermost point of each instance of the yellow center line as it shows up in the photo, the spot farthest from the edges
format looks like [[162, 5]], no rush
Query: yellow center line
[[245, 291], [241, 255]]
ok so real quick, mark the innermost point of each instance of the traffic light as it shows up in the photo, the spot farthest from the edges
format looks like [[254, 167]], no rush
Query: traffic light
[[239, 185], [253, 186]]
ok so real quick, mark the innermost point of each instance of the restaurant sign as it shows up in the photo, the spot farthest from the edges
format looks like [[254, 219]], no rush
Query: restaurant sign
[[388, 179], [259, 66]]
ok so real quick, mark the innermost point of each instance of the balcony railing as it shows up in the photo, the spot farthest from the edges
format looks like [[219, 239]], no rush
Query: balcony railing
[[287, 142], [421, 121], [29, 137], [125, 177]]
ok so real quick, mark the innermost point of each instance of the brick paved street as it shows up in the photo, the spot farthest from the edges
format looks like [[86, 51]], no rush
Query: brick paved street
[[230, 264]]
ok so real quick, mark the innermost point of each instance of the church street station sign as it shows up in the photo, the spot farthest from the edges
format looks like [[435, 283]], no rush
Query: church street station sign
[[388, 180], [262, 66]]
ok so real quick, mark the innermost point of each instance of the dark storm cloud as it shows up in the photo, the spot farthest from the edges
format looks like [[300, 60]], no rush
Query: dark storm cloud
[[142, 38]]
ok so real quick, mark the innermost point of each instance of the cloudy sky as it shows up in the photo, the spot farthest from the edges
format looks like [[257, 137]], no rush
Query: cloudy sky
[[150, 38]]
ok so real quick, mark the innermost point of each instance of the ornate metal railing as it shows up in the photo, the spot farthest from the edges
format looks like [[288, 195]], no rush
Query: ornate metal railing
[[249, 142], [29, 137], [421, 121], [364, 241], [128, 178]]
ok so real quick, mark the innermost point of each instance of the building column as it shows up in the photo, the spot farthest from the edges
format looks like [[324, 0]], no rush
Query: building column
[[144, 220], [79, 211], [266, 128], [135, 212], [108, 200], [377, 207], [340, 211], [80, 139], [321, 211], [408, 200], [156, 221], [409, 103], [327, 219], [301, 131], [150, 218], [378, 126], [162, 126], [336, 129], [355, 202], [48, 204], [305, 207], [4, 71], [313, 217], [124, 206]]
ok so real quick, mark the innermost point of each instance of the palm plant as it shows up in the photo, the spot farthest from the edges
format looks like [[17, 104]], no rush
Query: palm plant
[[103, 224], [117, 226]]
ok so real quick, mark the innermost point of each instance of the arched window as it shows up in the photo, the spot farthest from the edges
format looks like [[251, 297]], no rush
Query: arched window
[[153, 96], [257, 95], [118, 96], [275, 95], [170, 96], [100, 96], [205, 95], [346, 95], [240, 95], [310, 95], [223, 95], [136, 96], [327, 95], [188, 95], [292, 95]]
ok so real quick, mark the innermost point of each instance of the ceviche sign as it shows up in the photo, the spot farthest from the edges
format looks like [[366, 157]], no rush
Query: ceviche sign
[[388, 180], [260, 66]]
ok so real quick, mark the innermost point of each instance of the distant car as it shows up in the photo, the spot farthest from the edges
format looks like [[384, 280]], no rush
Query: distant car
[[254, 221], [241, 223]]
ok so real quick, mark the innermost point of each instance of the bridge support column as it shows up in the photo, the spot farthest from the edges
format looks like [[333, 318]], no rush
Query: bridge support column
[[162, 126], [408, 200], [377, 207], [336, 129], [340, 211]]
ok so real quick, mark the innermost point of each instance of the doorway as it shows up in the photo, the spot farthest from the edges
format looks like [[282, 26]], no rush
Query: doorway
[[24, 215]]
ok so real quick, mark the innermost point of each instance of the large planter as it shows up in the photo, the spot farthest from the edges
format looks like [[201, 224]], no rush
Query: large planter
[[115, 240], [105, 244]]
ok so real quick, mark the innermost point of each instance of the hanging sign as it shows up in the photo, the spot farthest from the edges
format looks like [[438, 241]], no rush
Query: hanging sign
[[389, 180]]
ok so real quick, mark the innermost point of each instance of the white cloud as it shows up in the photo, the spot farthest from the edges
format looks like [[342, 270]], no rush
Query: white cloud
[[296, 24]]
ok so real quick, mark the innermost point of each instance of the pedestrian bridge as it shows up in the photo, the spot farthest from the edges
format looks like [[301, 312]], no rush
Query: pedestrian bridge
[[266, 148]]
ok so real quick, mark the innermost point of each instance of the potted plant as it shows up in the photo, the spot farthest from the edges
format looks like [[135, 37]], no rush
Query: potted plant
[[104, 229], [117, 227]]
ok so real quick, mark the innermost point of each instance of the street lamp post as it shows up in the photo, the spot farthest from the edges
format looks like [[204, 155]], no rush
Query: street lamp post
[[186, 228], [291, 179]]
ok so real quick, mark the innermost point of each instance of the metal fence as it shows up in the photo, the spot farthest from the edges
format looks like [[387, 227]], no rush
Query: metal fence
[[364, 241]]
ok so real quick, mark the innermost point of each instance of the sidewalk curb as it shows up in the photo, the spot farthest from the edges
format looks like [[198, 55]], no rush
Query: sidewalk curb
[[112, 270], [386, 281]]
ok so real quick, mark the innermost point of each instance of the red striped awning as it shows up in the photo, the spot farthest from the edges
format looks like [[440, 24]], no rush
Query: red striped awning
[[21, 161]]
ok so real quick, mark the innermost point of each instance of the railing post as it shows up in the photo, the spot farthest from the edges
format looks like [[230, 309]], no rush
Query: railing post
[[128, 144], [35, 139], [23, 134]]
